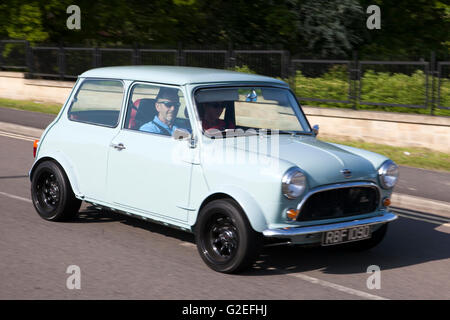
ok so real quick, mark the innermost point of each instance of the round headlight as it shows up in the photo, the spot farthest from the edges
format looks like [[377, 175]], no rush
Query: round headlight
[[293, 183], [388, 174]]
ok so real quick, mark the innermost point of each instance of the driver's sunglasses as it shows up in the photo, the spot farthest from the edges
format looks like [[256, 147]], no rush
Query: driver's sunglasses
[[168, 104]]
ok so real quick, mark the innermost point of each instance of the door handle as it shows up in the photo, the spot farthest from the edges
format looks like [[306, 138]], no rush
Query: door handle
[[118, 146]]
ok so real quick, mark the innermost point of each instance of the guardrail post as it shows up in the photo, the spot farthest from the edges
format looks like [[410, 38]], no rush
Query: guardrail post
[[137, 56], [180, 54], [354, 78], [29, 58], [61, 63], [231, 57], [228, 56], [432, 68], [285, 64], [292, 76], [1, 54], [226, 63], [96, 58]]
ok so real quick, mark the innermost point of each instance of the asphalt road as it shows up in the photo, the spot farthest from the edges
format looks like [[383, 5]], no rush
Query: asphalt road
[[124, 258], [26, 118]]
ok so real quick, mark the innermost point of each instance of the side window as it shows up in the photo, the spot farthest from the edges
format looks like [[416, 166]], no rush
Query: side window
[[98, 102], [157, 109]]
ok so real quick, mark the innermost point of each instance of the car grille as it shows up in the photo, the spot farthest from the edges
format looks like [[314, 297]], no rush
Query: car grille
[[337, 203]]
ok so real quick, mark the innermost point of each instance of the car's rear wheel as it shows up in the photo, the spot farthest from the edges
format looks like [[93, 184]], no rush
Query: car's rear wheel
[[52, 194], [225, 240]]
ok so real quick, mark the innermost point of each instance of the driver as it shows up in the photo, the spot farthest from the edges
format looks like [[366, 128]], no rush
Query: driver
[[167, 104]]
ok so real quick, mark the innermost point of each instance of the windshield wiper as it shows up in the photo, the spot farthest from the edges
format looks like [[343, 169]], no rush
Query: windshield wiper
[[294, 133]]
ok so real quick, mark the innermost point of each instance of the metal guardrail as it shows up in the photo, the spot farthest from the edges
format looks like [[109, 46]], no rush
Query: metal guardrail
[[396, 63], [348, 63], [12, 57], [354, 94], [68, 62], [440, 80]]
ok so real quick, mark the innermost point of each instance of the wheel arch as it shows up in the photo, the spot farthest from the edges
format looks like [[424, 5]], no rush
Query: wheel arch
[[247, 203], [65, 165]]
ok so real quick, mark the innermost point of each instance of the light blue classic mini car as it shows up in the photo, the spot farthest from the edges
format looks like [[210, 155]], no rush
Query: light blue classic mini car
[[228, 156]]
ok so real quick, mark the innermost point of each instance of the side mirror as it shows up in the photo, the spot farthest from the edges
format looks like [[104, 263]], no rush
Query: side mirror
[[315, 129], [181, 134]]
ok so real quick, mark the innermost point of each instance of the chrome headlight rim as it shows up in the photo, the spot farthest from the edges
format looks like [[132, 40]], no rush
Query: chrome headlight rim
[[382, 173], [286, 183]]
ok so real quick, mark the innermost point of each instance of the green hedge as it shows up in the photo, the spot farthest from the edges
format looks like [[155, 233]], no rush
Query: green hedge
[[381, 87]]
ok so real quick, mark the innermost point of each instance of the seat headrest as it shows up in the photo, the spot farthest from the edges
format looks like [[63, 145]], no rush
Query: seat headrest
[[146, 112]]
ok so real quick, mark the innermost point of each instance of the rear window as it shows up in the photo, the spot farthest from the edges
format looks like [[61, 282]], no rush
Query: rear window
[[97, 102]]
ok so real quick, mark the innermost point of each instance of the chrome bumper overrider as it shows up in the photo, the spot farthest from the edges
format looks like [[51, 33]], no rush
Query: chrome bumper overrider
[[299, 231]]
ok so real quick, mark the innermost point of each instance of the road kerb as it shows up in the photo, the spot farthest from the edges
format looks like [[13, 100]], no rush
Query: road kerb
[[406, 201], [19, 129]]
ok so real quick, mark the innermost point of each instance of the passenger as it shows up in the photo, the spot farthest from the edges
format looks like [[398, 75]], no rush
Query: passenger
[[167, 104], [211, 112]]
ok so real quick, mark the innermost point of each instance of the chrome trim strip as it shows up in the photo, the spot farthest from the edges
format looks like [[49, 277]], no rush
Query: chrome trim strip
[[338, 186], [298, 231]]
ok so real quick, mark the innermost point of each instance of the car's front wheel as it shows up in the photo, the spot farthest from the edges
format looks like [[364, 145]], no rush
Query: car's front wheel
[[52, 194], [225, 240]]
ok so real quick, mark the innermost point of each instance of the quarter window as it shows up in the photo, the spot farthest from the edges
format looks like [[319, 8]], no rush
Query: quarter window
[[98, 102]]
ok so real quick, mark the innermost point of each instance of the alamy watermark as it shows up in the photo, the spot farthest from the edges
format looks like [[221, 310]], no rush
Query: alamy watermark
[[74, 20], [74, 280], [374, 20], [374, 280], [236, 147]]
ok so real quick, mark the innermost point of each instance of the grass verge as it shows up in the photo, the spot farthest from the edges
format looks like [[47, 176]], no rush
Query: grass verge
[[406, 156], [43, 107]]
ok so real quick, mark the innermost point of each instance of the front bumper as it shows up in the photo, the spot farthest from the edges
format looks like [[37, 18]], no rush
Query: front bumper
[[312, 234]]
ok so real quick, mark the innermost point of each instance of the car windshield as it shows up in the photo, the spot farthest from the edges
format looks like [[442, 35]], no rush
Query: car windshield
[[250, 109]]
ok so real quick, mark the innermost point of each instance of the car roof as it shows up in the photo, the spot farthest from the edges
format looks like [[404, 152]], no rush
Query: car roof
[[176, 75]]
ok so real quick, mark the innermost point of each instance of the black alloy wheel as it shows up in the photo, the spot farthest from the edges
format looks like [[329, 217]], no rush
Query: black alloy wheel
[[52, 194], [222, 237], [47, 189], [225, 240]]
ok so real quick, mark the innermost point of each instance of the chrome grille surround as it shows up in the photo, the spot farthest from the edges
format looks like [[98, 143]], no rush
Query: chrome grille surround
[[338, 186]]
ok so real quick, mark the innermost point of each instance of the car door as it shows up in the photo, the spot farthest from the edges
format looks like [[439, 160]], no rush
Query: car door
[[85, 133], [149, 173]]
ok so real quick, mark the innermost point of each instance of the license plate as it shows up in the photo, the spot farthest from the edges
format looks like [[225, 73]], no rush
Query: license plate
[[346, 235]]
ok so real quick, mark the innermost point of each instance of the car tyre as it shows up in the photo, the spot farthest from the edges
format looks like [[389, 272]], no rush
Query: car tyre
[[225, 240], [52, 194]]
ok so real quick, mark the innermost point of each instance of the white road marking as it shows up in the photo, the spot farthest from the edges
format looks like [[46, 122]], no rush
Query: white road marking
[[421, 216], [309, 279], [17, 136], [15, 197], [420, 219], [338, 287]]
